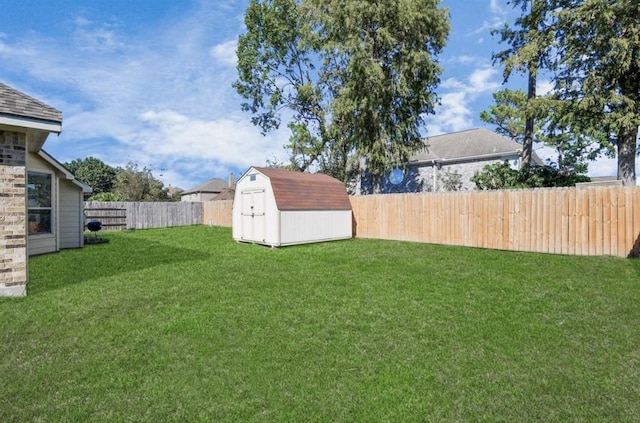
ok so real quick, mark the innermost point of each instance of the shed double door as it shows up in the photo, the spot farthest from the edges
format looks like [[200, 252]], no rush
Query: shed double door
[[253, 215]]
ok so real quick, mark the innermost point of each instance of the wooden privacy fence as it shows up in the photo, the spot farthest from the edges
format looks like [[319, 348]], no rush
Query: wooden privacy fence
[[592, 221], [138, 215], [111, 217], [217, 213]]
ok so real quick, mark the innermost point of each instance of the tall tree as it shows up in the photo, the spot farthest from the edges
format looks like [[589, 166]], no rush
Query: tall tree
[[94, 172], [530, 43], [574, 149], [277, 71], [592, 49], [507, 114], [136, 184], [575, 144], [355, 77], [599, 70]]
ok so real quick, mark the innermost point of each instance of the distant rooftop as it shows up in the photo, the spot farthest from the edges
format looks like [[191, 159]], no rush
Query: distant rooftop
[[212, 186], [467, 144]]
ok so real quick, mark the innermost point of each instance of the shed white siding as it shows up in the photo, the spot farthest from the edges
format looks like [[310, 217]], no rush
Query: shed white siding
[[258, 216], [299, 227], [253, 205]]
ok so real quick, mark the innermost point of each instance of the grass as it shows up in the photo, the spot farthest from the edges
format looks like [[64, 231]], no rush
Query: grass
[[184, 324]]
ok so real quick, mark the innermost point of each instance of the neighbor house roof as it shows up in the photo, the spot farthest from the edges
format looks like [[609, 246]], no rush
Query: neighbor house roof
[[227, 194], [212, 186], [306, 191], [19, 109], [472, 144]]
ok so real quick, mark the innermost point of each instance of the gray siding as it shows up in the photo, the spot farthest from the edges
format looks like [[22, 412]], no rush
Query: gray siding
[[428, 178], [44, 243], [70, 215]]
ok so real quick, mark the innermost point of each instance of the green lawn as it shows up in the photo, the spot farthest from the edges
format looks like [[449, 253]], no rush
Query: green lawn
[[185, 325]]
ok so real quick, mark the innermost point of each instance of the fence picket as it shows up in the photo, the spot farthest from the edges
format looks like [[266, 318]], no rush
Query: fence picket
[[137, 215]]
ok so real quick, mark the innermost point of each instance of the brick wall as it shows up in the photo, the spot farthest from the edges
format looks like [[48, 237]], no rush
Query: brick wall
[[13, 237]]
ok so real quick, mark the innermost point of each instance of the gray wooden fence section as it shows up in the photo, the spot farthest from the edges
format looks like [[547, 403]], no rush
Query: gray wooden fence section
[[116, 215]]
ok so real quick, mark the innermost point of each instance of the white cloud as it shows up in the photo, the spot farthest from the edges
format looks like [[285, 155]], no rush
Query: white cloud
[[452, 115], [161, 97], [225, 140], [544, 87], [496, 7], [483, 80], [455, 111], [91, 36], [465, 60], [226, 52]]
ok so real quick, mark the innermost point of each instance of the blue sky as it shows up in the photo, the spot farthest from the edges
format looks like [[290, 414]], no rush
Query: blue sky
[[149, 81]]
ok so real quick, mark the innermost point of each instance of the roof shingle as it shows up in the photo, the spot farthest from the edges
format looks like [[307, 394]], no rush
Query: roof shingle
[[19, 104], [306, 191], [212, 186], [467, 144]]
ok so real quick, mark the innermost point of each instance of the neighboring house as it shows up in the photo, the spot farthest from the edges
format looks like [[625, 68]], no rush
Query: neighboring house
[[42, 202], [214, 189], [448, 162]]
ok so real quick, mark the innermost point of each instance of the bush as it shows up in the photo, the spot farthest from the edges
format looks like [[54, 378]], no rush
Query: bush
[[108, 196], [502, 176]]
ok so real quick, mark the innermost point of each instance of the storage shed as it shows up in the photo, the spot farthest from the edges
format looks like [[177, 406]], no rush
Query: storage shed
[[279, 207]]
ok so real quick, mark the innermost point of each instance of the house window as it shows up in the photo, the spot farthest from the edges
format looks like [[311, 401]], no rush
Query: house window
[[39, 203]]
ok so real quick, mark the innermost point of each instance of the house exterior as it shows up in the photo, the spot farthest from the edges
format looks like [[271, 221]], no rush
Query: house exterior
[[278, 207], [449, 161], [214, 189], [41, 209], [63, 226]]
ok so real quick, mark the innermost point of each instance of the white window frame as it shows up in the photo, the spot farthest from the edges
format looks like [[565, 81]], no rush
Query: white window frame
[[50, 208]]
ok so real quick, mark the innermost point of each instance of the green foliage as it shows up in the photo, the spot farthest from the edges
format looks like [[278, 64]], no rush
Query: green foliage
[[94, 172], [107, 196], [598, 72], [450, 180], [573, 144], [507, 114], [502, 176], [357, 77], [135, 184], [592, 50], [117, 184], [184, 324]]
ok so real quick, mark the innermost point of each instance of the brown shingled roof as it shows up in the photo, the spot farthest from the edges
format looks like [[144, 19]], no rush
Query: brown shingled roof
[[16, 103], [212, 186], [306, 191]]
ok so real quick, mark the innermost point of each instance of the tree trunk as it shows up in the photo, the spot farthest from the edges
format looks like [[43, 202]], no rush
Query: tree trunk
[[627, 139], [527, 143]]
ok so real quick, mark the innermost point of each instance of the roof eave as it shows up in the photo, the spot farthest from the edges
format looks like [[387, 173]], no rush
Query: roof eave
[[64, 172], [468, 158], [31, 123]]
